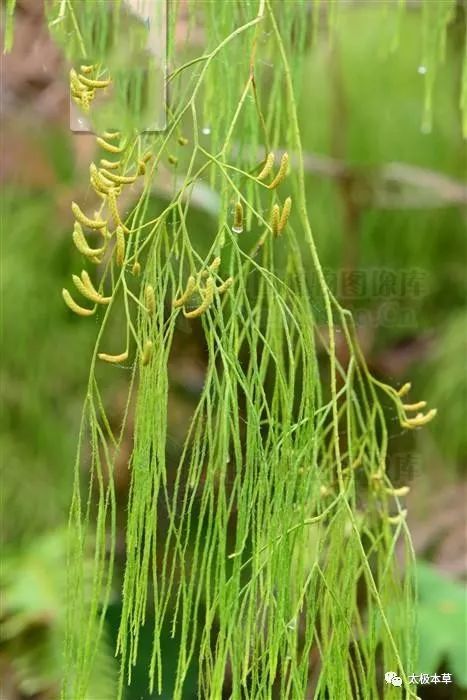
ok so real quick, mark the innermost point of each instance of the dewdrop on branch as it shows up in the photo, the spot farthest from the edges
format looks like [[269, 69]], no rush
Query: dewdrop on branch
[[94, 224], [119, 247], [281, 173], [238, 218], [147, 353], [71, 303], [113, 359], [150, 299], [267, 168]]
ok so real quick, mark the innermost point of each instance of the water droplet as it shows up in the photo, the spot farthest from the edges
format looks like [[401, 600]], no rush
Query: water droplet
[[422, 70], [292, 625], [237, 229], [206, 130]]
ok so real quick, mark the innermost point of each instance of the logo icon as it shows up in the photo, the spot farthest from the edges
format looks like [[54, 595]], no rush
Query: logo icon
[[392, 678]]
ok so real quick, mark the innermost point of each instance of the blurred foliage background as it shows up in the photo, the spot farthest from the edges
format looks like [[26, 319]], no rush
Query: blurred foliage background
[[387, 197]]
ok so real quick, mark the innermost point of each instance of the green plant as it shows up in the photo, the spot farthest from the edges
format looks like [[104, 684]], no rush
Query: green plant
[[289, 452]]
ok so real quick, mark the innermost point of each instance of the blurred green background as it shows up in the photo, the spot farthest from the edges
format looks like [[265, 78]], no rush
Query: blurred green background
[[388, 203]]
